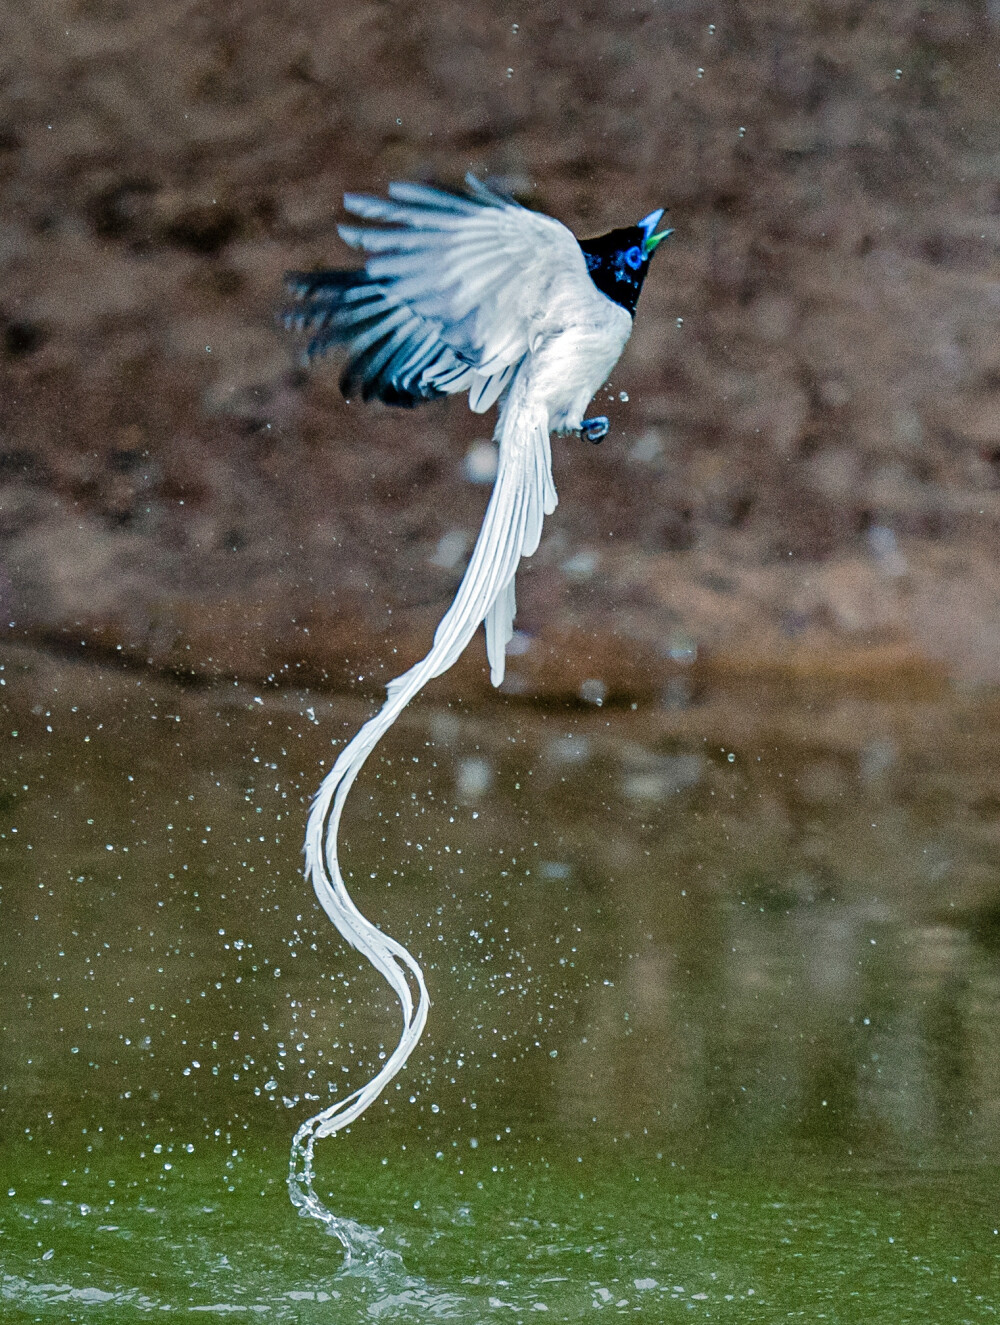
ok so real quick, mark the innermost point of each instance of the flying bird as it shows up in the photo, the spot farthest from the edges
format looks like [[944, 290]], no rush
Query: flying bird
[[472, 293]]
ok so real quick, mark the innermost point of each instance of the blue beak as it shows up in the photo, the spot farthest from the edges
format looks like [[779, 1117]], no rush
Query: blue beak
[[647, 225]]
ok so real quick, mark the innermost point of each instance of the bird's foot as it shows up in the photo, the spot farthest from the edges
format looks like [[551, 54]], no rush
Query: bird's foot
[[593, 430]]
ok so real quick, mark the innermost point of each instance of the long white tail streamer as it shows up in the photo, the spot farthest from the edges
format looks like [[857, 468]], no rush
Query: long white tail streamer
[[523, 494]]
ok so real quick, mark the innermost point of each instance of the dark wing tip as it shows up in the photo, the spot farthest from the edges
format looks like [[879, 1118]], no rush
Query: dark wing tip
[[387, 377], [318, 302], [324, 282], [392, 356]]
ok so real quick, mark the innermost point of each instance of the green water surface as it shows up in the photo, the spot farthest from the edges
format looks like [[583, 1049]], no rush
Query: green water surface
[[716, 1008]]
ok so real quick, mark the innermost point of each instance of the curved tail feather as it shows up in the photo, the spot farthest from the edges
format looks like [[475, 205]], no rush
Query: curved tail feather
[[522, 495]]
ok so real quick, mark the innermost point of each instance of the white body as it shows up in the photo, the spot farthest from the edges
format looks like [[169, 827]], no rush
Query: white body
[[572, 357]]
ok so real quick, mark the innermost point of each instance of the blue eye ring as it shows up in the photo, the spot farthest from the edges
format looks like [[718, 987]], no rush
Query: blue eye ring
[[633, 257]]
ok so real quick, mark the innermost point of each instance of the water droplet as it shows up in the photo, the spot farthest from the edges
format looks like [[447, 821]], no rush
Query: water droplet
[[623, 397], [474, 777], [731, 758], [899, 74], [741, 132], [515, 28], [711, 29], [680, 322], [450, 549], [701, 73], [480, 465], [510, 73], [593, 691], [581, 566]]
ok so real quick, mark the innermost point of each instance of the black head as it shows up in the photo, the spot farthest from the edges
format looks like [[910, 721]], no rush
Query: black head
[[618, 261]]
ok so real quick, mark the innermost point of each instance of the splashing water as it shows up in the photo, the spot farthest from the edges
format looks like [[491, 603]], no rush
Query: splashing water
[[523, 493]]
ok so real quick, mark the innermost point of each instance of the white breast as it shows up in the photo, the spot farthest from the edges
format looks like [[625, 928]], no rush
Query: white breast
[[571, 360]]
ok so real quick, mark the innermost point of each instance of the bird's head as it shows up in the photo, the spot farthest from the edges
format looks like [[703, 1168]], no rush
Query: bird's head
[[619, 260]]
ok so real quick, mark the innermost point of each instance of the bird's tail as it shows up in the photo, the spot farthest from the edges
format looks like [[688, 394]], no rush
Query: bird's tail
[[522, 496]]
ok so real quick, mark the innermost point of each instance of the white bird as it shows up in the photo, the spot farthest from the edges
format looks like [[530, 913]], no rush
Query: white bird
[[459, 292]]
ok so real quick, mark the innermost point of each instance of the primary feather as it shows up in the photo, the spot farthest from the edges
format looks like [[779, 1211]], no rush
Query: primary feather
[[482, 268]]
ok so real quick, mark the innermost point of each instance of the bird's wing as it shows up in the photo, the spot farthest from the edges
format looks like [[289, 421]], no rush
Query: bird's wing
[[482, 268]]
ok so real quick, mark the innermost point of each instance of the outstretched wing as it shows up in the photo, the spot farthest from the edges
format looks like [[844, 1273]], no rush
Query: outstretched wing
[[482, 269], [453, 293]]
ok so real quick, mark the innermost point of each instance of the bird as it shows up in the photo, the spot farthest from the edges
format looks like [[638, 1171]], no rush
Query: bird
[[460, 292]]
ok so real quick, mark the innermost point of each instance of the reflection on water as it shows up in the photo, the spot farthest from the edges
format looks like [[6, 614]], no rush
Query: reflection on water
[[761, 923], [730, 941]]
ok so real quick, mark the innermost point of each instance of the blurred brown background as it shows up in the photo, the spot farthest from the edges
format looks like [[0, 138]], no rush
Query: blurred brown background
[[805, 473]]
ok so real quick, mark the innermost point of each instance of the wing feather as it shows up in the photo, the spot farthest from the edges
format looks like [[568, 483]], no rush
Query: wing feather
[[454, 288], [481, 267], [393, 352]]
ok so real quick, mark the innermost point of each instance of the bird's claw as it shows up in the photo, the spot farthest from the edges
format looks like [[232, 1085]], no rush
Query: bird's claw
[[593, 430]]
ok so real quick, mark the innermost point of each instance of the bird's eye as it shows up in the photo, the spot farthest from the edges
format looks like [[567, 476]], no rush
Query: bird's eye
[[633, 257]]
